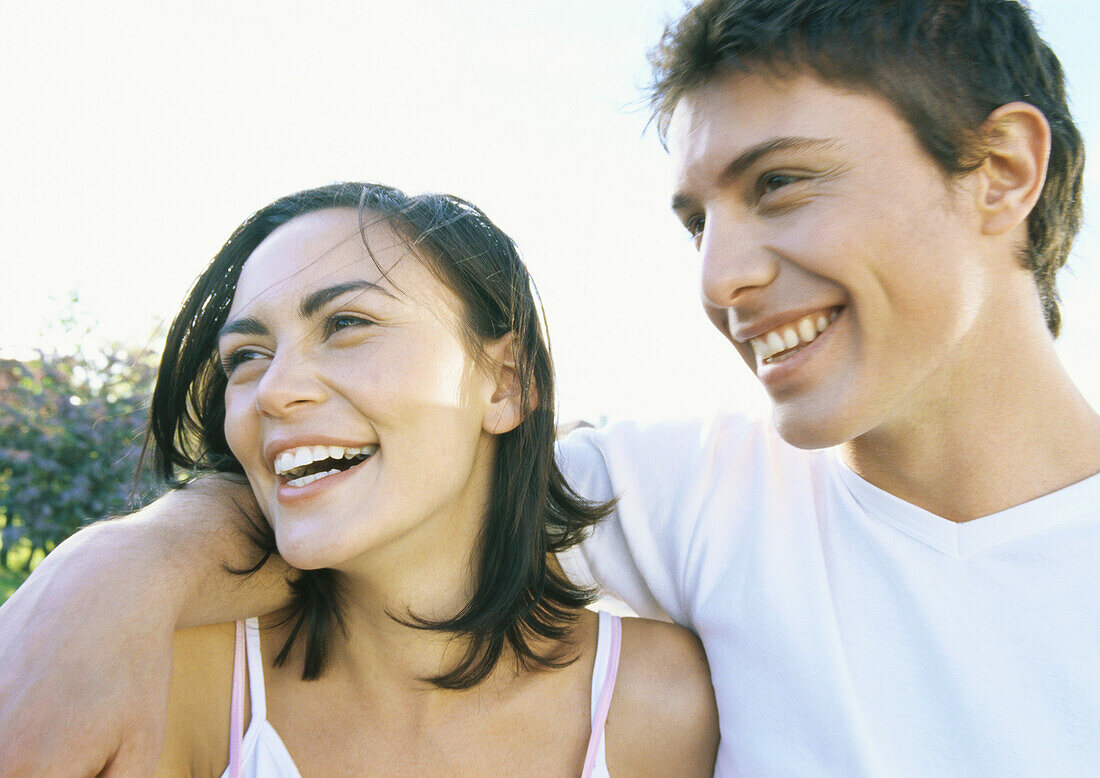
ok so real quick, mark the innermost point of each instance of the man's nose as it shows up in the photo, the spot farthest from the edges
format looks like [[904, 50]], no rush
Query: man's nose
[[736, 260]]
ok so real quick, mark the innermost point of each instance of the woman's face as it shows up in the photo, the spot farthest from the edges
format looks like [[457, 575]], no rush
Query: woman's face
[[351, 401]]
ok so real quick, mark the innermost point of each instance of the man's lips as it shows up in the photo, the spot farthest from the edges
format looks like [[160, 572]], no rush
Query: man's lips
[[780, 341]]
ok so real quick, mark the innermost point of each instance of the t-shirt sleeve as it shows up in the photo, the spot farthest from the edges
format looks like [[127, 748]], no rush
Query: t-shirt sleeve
[[659, 474]]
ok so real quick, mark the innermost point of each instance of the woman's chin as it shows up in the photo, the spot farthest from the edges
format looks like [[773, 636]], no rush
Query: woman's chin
[[305, 555]]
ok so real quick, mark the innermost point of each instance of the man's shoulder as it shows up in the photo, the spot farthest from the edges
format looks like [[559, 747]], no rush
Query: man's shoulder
[[657, 439], [668, 452]]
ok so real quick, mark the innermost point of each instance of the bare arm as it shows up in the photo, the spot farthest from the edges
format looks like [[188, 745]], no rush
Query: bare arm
[[86, 642], [663, 718]]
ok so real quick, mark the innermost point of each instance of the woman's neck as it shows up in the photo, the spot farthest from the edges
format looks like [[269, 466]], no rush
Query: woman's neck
[[430, 574], [381, 663]]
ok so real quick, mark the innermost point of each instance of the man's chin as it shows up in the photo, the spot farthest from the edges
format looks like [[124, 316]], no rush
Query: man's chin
[[808, 430]]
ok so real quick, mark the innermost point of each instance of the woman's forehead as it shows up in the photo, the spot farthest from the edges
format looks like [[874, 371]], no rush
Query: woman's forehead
[[321, 244], [326, 248]]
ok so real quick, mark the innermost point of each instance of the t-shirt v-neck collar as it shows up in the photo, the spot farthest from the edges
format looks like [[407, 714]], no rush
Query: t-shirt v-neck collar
[[965, 539]]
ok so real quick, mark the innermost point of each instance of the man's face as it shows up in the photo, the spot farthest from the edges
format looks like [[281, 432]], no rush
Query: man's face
[[837, 257]]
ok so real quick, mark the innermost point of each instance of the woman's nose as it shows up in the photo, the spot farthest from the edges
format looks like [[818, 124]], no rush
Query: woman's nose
[[289, 383]]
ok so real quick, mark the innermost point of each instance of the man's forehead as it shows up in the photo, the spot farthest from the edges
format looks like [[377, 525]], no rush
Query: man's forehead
[[733, 114], [708, 126], [737, 104]]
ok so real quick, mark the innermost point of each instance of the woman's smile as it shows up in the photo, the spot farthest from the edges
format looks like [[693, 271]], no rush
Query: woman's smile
[[318, 477], [314, 462]]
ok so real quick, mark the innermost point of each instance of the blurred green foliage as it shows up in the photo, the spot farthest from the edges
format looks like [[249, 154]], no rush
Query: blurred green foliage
[[9, 582], [71, 428]]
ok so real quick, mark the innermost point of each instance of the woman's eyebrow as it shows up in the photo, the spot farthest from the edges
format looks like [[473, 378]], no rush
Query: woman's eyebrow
[[243, 326], [314, 301], [310, 304]]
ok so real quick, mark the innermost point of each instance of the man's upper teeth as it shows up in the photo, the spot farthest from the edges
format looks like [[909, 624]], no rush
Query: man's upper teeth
[[798, 333], [306, 455]]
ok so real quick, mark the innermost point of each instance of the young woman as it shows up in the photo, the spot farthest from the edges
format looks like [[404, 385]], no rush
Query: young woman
[[374, 365]]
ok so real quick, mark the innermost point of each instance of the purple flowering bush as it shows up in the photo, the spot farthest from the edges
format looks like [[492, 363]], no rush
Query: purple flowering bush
[[71, 430]]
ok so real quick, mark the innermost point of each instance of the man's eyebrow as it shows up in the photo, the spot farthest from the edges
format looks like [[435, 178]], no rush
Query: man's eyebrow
[[245, 326], [747, 158], [314, 301]]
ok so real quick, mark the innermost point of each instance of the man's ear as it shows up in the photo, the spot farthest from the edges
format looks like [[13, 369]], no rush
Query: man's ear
[[1016, 146], [506, 407]]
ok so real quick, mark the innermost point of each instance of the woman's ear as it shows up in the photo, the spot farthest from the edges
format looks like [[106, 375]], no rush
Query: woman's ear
[[1016, 146], [506, 405]]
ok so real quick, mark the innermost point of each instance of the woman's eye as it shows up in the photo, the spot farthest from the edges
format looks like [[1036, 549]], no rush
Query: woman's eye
[[343, 321], [238, 357]]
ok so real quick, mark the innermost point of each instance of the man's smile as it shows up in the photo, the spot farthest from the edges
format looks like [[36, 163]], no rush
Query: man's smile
[[787, 339]]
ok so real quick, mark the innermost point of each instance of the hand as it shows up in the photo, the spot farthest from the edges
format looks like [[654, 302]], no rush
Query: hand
[[84, 679]]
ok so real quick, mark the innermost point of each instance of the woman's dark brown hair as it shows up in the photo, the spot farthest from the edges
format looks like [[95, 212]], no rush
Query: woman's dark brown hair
[[519, 601]]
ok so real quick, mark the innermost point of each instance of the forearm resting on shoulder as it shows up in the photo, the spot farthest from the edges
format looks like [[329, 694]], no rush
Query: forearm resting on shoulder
[[197, 536], [176, 555]]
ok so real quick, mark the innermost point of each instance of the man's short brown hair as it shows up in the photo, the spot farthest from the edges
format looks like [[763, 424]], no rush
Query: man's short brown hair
[[944, 65]]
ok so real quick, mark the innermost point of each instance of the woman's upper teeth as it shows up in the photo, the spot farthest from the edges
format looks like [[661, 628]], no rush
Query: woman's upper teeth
[[789, 336], [306, 455]]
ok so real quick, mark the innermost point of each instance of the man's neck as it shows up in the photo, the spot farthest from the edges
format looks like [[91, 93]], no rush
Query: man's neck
[[997, 433]]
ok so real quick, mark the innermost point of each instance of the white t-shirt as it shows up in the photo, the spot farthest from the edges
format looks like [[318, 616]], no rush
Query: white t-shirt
[[850, 633]]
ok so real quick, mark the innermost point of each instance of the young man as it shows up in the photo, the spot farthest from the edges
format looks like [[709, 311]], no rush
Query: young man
[[894, 578]]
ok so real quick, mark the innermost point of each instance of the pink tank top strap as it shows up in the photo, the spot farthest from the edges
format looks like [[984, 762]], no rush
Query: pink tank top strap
[[236, 712], [599, 716]]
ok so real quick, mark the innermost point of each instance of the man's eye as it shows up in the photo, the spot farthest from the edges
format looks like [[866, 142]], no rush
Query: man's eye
[[773, 181], [695, 225]]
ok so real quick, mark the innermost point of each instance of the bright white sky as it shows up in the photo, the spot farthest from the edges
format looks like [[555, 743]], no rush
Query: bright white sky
[[137, 135]]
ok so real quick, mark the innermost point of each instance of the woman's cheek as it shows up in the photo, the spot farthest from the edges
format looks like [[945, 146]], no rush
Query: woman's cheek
[[235, 423]]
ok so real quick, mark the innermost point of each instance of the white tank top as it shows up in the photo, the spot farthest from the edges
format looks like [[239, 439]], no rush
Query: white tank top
[[260, 752]]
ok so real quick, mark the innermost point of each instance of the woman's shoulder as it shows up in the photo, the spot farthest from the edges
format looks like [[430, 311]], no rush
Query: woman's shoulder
[[197, 738], [663, 718]]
